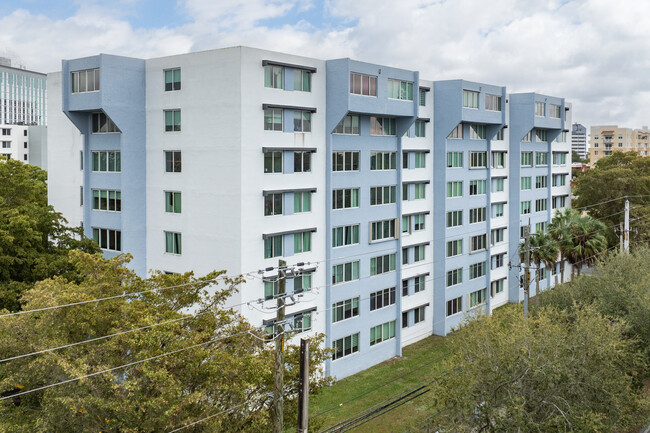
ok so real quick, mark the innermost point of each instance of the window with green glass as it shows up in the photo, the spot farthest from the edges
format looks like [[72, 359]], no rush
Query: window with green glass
[[273, 246], [173, 243], [274, 76], [273, 162], [273, 119], [173, 201], [382, 264], [172, 79], [302, 80], [172, 120], [301, 242], [345, 272], [400, 90], [302, 201], [454, 159]]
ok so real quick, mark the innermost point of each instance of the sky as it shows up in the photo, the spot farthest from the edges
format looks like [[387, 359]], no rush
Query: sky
[[594, 53]]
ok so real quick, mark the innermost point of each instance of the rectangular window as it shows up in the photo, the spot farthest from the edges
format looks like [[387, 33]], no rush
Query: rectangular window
[[273, 246], [85, 81], [345, 235], [457, 132], [455, 189], [420, 159], [540, 109], [345, 346], [345, 161], [541, 158], [420, 128], [525, 183], [559, 201], [423, 98], [476, 270], [498, 260], [273, 162], [405, 160], [541, 181], [559, 179], [498, 184], [454, 248], [110, 161], [418, 315], [478, 160], [419, 284], [470, 99], [274, 76], [108, 239], [107, 200], [477, 187], [349, 125], [173, 243], [454, 306], [172, 120], [418, 253], [455, 218], [454, 159], [301, 121], [273, 119], [405, 191], [382, 125], [381, 230], [492, 102], [497, 210], [345, 309], [525, 207], [476, 132], [6, 144], [173, 161], [554, 111], [102, 124], [420, 191], [302, 322], [172, 201], [383, 160], [345, 198], [476, 215], [526, 159], [499, 159], [382, 264], [540, 227], [382, 332], [172, 79], [6, 131], [418, 222], [498, 235], [477, 298], [301, 242], [345, 272], [273, 204], [400, 90], [301, 80], [559, 158], [455, 276], [540, 135], [541, 204], [382, 298], [361, 84], [302, 282], [478, 243], [301, 162], [499, 136], [301, 201]]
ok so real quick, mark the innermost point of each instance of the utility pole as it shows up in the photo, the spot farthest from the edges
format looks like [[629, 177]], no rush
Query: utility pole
[[620, 237], [626, 234], [303, 387], [278, 395], [526, 268]]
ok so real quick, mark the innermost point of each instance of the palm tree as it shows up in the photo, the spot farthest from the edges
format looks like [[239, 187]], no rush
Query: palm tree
[[560, 232], [544, 251], [589, 241]]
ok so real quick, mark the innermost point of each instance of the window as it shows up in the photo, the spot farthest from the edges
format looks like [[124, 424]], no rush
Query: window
[[301, 201], [420, 190], [273, 119], [455, 189], [420, 128], [477, 187], [107, 200], [498, 184], [108, 239], [526, 159], [492, 102], [6, 131], [400, 90], [454, 306], [525, 207], [382, 298], [6, 144], [25, 132], [345, 235], [454, 159], [498, 260], [420, 159], [405, 191], [470, 99], [172, 202], [457, 132], [382, 332], [559, 179], [349, 125], [418, 315], [541, 181], [110, 161], [423, 98], [541, 158], [383, 160], [274, 76], [419, 284], [476, 215], [477, 298], [273, 246], [478, 243], [273, 162], [540, 227], [499, 136], [382, 125], [301, 80], [381, 230], [345, 161], [345, 272], [382, 195], [302, 322], [273, 204], [382, 264], [418, 222], [301, 242], [540, 135], [540, 109], [418, 253], [81, 196], [173, 243], [454, 248], [455, 276], [345, 198], [172, 79], [525, 183], [528, 137], [455, 218], [172, 120], [302, 282], [497, 210], [478, 160], [345, 309], [102, 124], [301, 121], [559, 201], [554, 111], [498, 235], [361, 84], [541, 205], [499, 159], [559, 158], [173, 161], [85, 81], [476, 270], [301, 162], [476, 132], [405, 256], [345, 346]]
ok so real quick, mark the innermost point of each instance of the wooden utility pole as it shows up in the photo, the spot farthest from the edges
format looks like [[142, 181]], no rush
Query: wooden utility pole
[[626, 233], [278, 395], [526, 268], [303, 391]]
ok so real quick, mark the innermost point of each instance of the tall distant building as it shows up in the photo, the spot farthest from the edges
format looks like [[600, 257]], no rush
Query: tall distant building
[[403, 198], [579, 140], [604, 140]]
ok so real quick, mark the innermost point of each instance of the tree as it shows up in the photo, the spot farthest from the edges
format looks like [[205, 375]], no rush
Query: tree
[[34, 239], [557, 371], [560, 232], [544, 251], [229, 373]]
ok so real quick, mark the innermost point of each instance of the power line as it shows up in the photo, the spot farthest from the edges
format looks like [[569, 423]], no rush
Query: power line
[[208, 417]]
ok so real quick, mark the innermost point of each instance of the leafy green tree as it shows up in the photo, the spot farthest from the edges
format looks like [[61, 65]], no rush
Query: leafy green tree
[[543, 251], [227, 372], [560, 232], [34, 239], [568, 371]]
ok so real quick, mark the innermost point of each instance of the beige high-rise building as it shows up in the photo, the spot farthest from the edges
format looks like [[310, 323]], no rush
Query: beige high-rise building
[[606, 139]]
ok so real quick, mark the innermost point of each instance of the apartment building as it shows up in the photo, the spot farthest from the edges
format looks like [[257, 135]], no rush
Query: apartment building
[[579, 140], [611, 138], [389, 192]]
